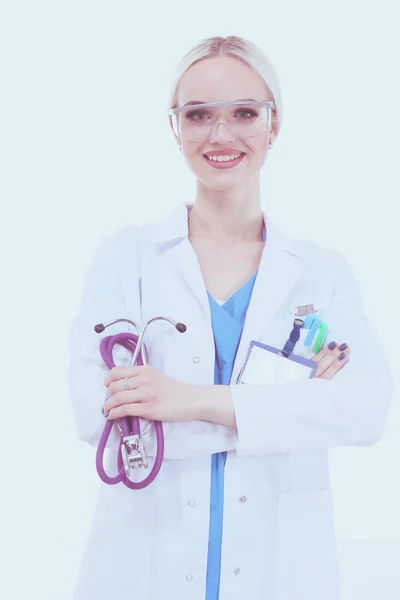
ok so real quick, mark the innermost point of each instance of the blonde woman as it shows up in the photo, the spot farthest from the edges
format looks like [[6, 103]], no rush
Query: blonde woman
[[242, 506]]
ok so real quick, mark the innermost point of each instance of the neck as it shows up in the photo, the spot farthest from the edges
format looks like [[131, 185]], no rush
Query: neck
[[227, 216]]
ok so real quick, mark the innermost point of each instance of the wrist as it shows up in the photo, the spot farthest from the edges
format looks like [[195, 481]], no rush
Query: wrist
[[214, 403], [200, 397]]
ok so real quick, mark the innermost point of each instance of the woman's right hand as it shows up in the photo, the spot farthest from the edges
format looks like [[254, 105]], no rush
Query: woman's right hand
[[329, 361]]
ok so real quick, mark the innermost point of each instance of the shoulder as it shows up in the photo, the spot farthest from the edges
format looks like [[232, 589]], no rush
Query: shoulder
[[119, 246], [121, 238]]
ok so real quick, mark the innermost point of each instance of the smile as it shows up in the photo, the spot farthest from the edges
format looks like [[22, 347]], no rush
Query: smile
[[224, 162]]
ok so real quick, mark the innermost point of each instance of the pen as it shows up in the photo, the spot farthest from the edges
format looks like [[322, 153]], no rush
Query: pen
[[320, 337]]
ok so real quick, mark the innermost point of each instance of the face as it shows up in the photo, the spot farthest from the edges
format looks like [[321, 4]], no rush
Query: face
[[224, 79]]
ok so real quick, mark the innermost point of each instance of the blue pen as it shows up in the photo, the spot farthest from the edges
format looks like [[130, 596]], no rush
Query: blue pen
[[309, 321], [313, 330]]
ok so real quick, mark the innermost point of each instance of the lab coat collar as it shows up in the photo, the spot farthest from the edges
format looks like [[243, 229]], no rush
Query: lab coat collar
[[176, 227]]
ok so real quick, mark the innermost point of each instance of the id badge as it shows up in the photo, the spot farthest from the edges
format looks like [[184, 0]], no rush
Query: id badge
[[265, 365]]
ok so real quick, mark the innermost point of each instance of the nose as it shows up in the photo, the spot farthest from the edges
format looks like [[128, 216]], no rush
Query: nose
[[221, 134]]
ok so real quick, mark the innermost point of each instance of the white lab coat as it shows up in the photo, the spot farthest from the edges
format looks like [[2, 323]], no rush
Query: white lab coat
[[278, 534]]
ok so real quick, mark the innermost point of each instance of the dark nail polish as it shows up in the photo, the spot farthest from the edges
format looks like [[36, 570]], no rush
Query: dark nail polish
[[106, 414], [332, 345], [343, 347], [342, 356]]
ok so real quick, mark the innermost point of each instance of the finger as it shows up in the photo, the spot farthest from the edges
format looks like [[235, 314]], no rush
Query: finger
[[325, 350], [119, 385], [131, 410], [335, 367], [123, 398], [326, 361], [120, 373]]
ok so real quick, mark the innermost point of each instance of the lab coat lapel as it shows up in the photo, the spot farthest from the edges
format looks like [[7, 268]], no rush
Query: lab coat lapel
[[180, 253], [183, 258], [280, 267]]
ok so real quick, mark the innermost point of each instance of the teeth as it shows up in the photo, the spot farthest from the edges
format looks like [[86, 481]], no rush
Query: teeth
[[223, 158]]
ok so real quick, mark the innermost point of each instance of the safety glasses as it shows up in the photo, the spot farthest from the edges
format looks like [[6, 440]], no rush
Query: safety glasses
[[243, 119]]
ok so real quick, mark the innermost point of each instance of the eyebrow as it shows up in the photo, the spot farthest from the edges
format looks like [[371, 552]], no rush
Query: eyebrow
[[202, 101]]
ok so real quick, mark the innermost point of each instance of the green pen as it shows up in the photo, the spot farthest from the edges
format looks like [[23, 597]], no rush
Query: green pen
[[320, 337]]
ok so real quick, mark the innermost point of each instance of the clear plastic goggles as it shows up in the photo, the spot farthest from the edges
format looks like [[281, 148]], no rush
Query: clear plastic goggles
[[243, 119]]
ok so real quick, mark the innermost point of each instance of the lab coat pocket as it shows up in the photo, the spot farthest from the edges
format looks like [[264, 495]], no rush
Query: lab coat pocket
[[306, 555]]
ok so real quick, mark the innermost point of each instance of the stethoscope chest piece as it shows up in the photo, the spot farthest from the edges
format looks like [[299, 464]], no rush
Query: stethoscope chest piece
[[133, 453]]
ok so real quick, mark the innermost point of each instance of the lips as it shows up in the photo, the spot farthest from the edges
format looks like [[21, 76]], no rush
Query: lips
[[228, 164]]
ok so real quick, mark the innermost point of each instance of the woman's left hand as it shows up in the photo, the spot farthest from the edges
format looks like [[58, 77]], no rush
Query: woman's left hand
[[152, 395]]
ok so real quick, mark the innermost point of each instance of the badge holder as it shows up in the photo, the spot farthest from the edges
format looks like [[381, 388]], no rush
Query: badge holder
[[266, 364]]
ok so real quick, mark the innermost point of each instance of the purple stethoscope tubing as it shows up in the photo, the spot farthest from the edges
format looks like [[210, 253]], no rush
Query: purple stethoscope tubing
[[129, 426]]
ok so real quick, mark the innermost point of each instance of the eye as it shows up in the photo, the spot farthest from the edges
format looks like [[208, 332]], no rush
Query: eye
[[196, 115], [246, 113]]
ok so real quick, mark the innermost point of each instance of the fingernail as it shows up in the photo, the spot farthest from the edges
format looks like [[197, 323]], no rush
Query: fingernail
[[342, 355], [106, 414], [332, 345], [343, 347]]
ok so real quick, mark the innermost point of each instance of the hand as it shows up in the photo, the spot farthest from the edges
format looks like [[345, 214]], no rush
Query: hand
[[151, 395], [328, 360]]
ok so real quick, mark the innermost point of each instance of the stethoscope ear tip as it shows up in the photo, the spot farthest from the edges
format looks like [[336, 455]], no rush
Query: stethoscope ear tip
[[99, 328], [181, 327]]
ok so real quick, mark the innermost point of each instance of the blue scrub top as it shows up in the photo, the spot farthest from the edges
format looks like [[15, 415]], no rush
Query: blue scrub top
[[227, 321]]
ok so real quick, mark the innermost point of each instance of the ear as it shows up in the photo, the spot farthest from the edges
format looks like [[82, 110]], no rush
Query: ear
[[273, 132]]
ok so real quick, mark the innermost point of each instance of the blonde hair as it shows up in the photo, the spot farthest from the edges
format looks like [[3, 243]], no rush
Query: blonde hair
[[235, 47]]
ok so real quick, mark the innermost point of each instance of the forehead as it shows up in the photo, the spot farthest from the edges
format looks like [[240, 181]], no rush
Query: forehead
[[220, 79]]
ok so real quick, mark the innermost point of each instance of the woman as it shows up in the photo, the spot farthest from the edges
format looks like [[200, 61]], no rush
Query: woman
[[242, 505]]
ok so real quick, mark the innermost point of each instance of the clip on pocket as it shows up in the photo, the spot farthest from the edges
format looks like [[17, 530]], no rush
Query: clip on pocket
[[304, 310]]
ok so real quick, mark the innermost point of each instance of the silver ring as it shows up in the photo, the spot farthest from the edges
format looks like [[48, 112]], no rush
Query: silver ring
[[126, 383]]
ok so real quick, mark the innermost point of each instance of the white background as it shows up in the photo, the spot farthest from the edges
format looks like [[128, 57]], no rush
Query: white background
[[86, 149]]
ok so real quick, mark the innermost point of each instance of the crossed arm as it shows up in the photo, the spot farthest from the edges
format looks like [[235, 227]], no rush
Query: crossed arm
[[348, 409]]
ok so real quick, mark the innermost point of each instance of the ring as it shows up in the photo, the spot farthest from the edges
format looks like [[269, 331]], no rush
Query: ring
[[126, 383]]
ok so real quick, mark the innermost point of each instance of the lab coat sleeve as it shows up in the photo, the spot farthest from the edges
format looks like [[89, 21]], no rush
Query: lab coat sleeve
[[102, 301], [348, 410]]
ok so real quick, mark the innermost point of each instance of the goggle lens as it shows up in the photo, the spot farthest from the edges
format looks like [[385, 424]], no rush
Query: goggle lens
[[197, 123]]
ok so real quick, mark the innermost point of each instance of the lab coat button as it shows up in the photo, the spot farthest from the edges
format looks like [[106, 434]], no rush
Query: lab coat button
[[236, 571], [192, 503], [196, 359], [242, 499], [189, 577]]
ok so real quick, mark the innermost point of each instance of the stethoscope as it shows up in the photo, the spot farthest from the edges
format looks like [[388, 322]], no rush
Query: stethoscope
[[131, 451]]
